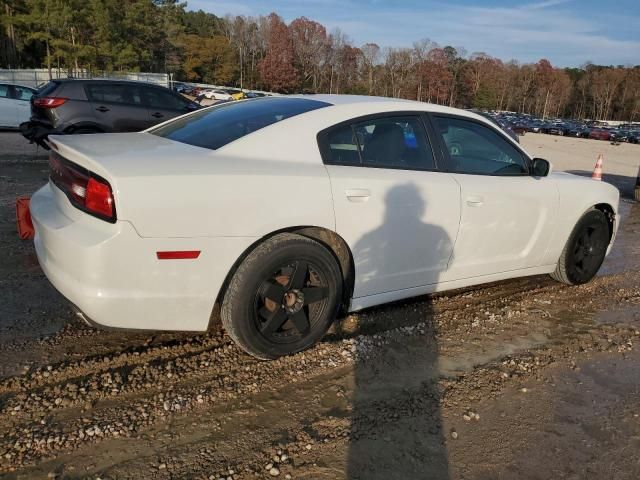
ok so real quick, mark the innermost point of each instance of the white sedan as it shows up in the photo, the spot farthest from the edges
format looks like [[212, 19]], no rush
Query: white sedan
[[15, 107], [217, 95], [288, 211]]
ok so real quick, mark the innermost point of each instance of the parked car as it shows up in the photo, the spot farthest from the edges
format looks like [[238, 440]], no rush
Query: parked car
[[238, 94], [94, 106], [504, 126], [556, 129], [518, 127], [600, 134], [14, 104], [194, 91], [537, 127], [180, 88], [207, 102], [287, 211], [621, 135], [217, 94], [579, 131]]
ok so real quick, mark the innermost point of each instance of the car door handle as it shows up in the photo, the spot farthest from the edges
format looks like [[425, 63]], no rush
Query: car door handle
[[358, 195], [475, 201], [102, 108], [157, 115]]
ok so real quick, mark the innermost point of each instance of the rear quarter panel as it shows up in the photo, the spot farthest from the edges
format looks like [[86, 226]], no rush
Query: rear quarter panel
[[229, 196]]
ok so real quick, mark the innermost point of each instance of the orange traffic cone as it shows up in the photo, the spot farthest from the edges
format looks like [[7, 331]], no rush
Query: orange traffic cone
[[597, 172]]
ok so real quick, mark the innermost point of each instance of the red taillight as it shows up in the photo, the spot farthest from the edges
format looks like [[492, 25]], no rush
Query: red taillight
[[49, 102], [84, 189], [99, 198]]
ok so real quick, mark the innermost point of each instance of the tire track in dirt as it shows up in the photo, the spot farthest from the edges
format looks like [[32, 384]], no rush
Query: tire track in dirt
[[167, 384]]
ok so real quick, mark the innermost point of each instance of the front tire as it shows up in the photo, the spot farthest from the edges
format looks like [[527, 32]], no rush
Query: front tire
[[283, 297], [585, 250]]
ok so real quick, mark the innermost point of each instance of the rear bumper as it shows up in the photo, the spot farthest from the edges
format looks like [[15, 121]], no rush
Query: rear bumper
[[113, 275]]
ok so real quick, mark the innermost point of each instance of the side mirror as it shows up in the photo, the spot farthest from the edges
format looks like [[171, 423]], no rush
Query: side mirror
[[541, 167]]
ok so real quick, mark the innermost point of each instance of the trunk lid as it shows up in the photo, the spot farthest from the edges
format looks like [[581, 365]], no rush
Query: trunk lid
[[122, 155]]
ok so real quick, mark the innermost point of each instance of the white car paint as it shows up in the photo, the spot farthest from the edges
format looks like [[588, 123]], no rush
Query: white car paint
[[409, 232], [15, 107], [506, 224], [217, 95]]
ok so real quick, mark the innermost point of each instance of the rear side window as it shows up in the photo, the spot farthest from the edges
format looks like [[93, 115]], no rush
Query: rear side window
[[4, 91], [113, 93], [395, 142], [22, 93], [157, 98], [343, 146], [215, 127], [387, 142]]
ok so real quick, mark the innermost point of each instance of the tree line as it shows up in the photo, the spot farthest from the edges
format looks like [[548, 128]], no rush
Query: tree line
[[264, 52]]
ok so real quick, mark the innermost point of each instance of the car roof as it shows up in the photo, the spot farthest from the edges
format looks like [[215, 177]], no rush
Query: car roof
[[386, 103], [105, 80], [302, 147]]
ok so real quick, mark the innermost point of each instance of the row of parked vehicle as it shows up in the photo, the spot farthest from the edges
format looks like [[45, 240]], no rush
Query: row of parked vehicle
[[77, 106], [100, 105], [522, 123], [220, 94]]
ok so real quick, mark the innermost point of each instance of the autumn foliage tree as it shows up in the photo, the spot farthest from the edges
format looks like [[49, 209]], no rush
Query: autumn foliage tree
[[72, 36], [277, 69]]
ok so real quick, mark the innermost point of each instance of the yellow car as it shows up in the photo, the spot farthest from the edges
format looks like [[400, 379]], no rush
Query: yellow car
[[238, 95]]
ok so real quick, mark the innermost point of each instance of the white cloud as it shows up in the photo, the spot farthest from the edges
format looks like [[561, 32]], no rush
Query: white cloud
[[548, 3], [520, 33], [555, 29]]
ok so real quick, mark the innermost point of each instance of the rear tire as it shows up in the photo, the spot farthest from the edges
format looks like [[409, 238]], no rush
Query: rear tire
[[585, 250], [283, 297]]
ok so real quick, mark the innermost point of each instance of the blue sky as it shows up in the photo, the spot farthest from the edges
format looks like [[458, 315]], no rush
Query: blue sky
[[567, 32]]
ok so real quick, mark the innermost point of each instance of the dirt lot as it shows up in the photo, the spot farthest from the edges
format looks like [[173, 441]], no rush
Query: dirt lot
[[524, 379]]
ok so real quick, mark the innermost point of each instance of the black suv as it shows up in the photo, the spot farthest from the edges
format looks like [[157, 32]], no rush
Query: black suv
[[94, 106]]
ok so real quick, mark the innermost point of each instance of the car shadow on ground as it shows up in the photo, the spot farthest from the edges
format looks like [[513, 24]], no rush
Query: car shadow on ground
[[396, 424], [623, 183]]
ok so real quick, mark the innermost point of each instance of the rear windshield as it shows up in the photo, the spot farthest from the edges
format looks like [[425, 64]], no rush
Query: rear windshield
[[47, 88], [215, 127]]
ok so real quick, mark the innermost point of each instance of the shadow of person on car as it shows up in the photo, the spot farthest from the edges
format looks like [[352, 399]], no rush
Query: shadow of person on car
[[396, 428]]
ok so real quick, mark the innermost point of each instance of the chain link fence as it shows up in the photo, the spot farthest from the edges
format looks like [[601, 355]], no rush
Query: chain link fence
[[39, 76]]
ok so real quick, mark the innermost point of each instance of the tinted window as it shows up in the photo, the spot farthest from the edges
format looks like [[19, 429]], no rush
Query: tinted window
[[475, 148], [161, 99], [395, 142], [217, 126], [389, 142], [343, 146], [47, 88], [114, 93], [4, 91], [22, 93]]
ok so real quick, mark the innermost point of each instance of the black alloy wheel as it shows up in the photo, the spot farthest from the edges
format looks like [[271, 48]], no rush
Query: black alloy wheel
[[585, 251], [290, 302], [283, 296]]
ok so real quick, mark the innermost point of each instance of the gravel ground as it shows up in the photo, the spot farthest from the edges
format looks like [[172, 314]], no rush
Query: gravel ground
[[522, 379]]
